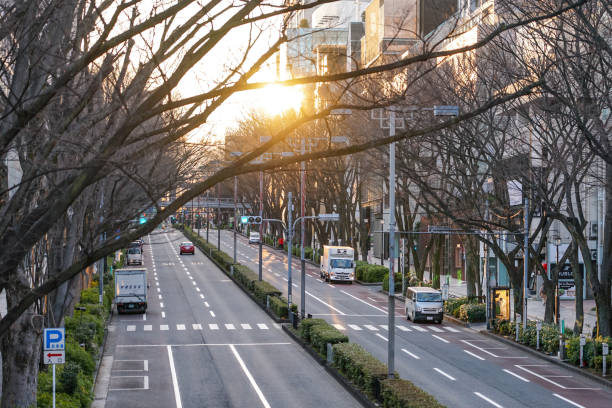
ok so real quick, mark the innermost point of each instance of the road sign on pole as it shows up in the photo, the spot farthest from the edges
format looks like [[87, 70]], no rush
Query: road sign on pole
[[446, 110], [329, 217], [54, 357], [54, 339]]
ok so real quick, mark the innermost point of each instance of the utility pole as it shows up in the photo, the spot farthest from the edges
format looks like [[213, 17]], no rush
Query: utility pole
[[391, 307], [200, 212], [302, 228], [207, 214], [260, 225], [290, 238], [525, 262], [235, 213]]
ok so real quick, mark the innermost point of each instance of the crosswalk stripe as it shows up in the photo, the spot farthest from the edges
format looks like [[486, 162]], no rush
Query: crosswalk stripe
[[370, 327], [339, 326], [131, 328], [384, 327], [180, 327], [197, 326], [277, 326], [437, 330], [419, 328], [163, 327], [246, 326], [354, 327], [213, 326], [451, 329], [148, 327], [262, 326], [403, 328], [229, 326]]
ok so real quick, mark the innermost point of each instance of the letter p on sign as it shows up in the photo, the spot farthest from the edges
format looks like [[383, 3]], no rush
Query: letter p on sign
[[54, 339]]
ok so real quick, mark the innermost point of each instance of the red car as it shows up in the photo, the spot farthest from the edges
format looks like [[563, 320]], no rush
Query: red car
[[187, 248]]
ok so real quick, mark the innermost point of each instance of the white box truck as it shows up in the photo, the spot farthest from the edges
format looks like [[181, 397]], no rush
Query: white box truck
[[131, 290], [338, 263]]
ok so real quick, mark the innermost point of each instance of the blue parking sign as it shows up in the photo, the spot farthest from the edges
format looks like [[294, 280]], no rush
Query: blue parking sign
[[54, 339]]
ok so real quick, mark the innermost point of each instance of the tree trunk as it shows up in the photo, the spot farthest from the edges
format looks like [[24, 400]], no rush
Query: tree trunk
[[436, 264], [579, 284], [602, 296], [549, 292], [20, 359], [472, 269]]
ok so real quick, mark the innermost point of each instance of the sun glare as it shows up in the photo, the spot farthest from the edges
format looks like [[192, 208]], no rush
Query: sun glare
[[277, 99]]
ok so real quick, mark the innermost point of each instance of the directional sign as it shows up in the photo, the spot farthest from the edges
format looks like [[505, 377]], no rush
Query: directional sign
[[604, 349], [329, 217], [54, 357], [54, 339], [446, 110]]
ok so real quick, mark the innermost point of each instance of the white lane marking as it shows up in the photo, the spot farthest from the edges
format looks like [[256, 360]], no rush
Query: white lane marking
[[403, 328], [363, 301], [156, 283], [373, 300], [411, 355], [277, 274], [490, 401], [193, 283], [229, 326], [490, 348], [285, 279], [435, 329], [326, 304], [196, 326], [546, 378], [163, 327], [158, 291], [294, 285], [382, 337], [144, 316], [450, 377], [516, 375], [370, 327], [440, 338], [177, 394], [330, 285], [148, 327], [568, 401], [213, 326], [474, 355], [161, 304], [212, 313], [198, 289], [160, 297], [262, 398], [163, 314], [180, 327], [384, 327], [419, 328], [206, 304], [262, 326], [277, 325], [354, 327], [131, 328], [451, 329], [319, 280], [246, 326], [339, 326], [190, 277], [201, 296]]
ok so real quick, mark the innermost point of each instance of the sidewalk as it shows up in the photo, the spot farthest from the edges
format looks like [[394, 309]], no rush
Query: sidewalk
[[535, 308]]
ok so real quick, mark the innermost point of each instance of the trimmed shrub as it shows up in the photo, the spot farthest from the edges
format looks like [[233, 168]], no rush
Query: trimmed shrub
[[84, 328], [69, 376], [398, 393], [361, 367], [90, 296], [279, 307], [473, 312], [245, 276], [451, 306], [78, 355], [306, 325], [261, 290], [321, 334], [398, 282]]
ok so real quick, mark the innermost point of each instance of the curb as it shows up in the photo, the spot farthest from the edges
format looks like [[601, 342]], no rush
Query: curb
[[101, 350], [346, 384], [368, 283], [456, 321], [553, 360]]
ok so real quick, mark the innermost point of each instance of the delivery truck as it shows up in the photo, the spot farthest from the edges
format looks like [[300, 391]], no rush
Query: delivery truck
[[131, 290], [337, 263]]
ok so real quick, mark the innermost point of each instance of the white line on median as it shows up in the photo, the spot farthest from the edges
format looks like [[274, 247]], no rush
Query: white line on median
[[326, 304], [489, 400], [568, 401], [262, 398], [440, 338], [177, 394], [212, 313], [382, 337], [516, 375], [164, 315], [411, 355], [473, 355], [450, 377], [363, 301]]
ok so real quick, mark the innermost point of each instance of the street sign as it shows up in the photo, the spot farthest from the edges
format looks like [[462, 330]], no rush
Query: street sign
[[438, 228], [446, 110], [582, 340], [54, 339], [329, 217], [54, 357], [604, 349]]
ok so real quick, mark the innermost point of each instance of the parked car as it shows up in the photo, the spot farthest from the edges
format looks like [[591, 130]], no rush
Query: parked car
[[424, 303], [134, 256], [253, 237], [186, 248]]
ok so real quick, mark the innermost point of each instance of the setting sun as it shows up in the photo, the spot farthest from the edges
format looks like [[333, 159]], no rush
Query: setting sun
[[277, 99]]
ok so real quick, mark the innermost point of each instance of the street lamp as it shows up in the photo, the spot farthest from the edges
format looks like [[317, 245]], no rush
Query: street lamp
[[557, 240]]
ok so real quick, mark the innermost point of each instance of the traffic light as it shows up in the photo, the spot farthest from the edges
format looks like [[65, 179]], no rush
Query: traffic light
[[250, 219]]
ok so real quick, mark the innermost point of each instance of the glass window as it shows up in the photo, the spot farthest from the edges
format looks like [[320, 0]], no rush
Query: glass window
[[429, 297], [341, 263]]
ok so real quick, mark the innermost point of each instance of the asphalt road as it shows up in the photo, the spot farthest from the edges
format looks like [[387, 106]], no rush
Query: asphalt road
[[204, 343], [459, 366]]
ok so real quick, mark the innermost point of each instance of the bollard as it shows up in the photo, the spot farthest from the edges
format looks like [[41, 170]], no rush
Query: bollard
[[604, 354], [561, 348], [267, 302], [330, 353], [582, 343], [538, 328], [517, 331], [232, 270]]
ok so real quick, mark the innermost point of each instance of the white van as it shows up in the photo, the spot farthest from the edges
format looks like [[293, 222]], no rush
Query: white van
[[134, 256], [424, 303], [254, 237]]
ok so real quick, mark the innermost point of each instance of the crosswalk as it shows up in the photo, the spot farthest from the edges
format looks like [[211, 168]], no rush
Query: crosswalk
[[200, 327], [409, 328]]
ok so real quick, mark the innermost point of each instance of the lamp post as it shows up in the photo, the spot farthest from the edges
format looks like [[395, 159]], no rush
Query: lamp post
[[235, 213], [207, 214], [218, 217], [558, 268]]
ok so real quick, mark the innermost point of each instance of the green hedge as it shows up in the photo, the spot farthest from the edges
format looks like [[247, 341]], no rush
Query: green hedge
[[306, 325], [549, 335], [262, 289], [591, 351], [452, 306], [473, 312], [398, 393], [321, 334], [361, 367], [366, 272], [398, 282], [278, 305], [245, 276]]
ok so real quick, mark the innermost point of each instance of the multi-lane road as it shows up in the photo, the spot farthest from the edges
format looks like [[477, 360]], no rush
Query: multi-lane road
[[459, 366], [203, 343]]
